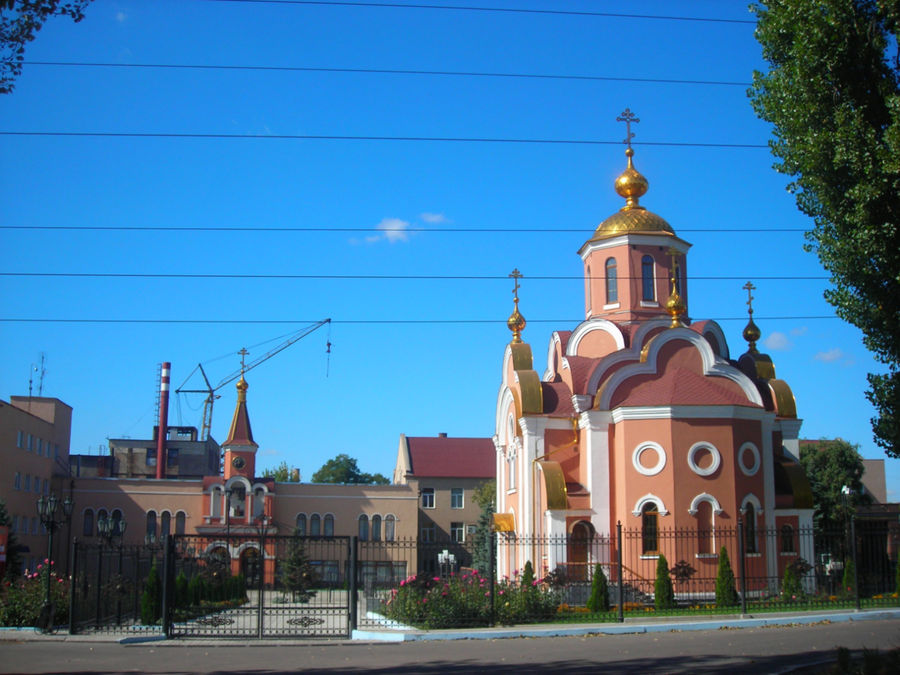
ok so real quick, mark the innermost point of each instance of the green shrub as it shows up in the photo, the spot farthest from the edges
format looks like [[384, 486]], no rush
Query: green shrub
[[22, 599], [663, 593], [599, 600], [726, 595], [848, 582], [151, 600], [182, 596], [528, 575], [790, 585]]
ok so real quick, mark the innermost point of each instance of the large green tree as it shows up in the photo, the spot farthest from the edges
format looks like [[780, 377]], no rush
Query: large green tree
[[830, 465], [485, 495], [13, 562], [281, 473], [831, 94], [343, 469], [20, 21]]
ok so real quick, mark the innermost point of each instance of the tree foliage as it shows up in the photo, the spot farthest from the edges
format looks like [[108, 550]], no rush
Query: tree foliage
[[298, 574], [281, 474], [485, 496], [832, 97], [663, 592], [726, 595], [343, 469], [830, 465], [20, 21], [13, 561], [599, 600]]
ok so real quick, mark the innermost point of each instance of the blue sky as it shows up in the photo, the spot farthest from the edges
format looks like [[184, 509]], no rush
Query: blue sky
[[384, 378]]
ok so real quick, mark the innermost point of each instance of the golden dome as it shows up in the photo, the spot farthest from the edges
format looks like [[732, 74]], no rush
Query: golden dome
[[516, 323], [632, 217], [751, 334]]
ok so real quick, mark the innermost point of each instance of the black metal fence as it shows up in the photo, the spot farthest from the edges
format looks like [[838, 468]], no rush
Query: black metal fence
[[285, 586], [108, 584]]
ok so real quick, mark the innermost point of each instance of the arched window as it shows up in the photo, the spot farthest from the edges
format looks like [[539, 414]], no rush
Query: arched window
[[750, 528], [179, 522], [648, 282], [787, 539], [259, 502], [363, 527], [165, 524], [389, 522], [315, 525], [328, 525], [301, 524], [704, 518], [87, 528], [376, 528], [151, 523], [117, 528], [649, 528], [215, 502], [612, 288]]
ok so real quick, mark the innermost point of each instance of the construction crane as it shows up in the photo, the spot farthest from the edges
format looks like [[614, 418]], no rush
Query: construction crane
[[210, 390]]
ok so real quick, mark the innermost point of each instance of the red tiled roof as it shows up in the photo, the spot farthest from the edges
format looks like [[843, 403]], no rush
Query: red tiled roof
[[557, 399], [452, 457], [680, 386], [581, 367]]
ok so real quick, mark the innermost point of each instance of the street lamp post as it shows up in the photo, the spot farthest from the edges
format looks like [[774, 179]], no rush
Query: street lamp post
[[109, 529], [48, 512]]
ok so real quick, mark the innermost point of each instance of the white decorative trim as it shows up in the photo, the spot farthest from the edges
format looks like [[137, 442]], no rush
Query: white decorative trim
[[752, 499], [712, 366], [647, 498], [582, 402], [716, 458], [712, 412], [757, 460], [705, 497], [666, 241], [633, 353], [716, 330], [649, 303], [612, 305], [636, 458]]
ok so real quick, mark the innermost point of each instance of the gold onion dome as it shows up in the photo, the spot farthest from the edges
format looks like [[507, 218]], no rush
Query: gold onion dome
[[752, 334], [516, 323], [632, 185]]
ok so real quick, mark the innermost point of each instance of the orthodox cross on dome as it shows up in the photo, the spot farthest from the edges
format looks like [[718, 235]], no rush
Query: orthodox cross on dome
[[751, 330], [516, 321], [629, 118], [243, 354]]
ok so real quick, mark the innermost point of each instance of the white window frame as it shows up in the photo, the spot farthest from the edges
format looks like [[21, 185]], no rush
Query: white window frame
[[457, 498]]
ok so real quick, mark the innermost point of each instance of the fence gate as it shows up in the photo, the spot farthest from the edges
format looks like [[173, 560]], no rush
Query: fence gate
[[258, 586]]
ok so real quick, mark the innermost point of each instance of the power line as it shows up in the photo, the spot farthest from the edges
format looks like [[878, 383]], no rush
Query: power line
[[387, 71], [335, 137], [370, 230], [382, 277], [506, 10], [367, 322]]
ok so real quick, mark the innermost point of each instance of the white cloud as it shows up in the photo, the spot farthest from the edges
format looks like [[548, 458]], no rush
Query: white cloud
[[434, 218], [830, 356], [392, 229], [777, 342]]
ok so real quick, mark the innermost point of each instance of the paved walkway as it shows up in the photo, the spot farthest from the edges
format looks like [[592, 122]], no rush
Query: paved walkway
[[662, 624]]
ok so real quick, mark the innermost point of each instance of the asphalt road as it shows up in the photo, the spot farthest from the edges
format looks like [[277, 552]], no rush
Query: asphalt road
[[748, 650]]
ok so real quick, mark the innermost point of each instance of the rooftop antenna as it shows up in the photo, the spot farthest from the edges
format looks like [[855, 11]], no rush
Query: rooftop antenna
[[43, 372]]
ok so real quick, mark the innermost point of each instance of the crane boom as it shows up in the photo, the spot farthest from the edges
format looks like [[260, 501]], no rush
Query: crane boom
[[210, 391]]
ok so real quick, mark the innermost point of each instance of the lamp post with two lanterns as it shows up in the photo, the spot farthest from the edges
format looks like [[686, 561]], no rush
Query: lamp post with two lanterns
[[48, 509], [109, 529]]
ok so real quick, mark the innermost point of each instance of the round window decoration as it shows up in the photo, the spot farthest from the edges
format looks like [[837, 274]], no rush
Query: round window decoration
[[704, 459], [643, 456], [748, 459], [238, 462]]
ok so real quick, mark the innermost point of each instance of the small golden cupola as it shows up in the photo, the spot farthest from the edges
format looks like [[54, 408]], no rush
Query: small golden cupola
[[239, 447], [516, 322]]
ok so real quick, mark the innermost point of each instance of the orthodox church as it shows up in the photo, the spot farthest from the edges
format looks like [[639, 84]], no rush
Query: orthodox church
[[643, 417]]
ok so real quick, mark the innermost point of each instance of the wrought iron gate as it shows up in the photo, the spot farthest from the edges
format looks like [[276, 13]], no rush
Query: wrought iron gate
[[258, 586]]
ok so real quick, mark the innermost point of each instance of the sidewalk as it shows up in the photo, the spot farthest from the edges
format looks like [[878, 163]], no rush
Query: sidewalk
[[663, 624]]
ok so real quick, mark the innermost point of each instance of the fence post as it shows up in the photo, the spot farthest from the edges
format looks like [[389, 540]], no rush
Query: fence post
[[743, 568], [261, 586], [99, 583], [73, 585], [853, 553], [492, 542], [167, 585], [620, 570], [353, 598]]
